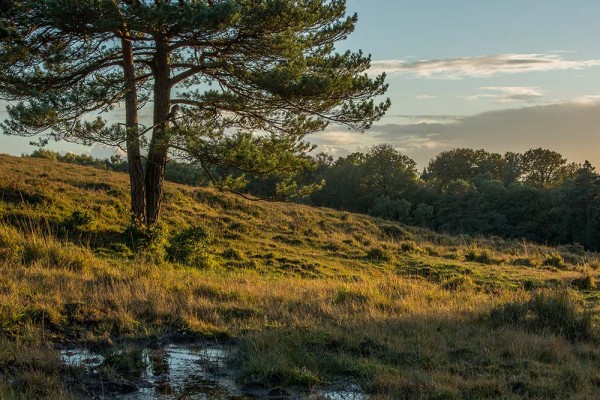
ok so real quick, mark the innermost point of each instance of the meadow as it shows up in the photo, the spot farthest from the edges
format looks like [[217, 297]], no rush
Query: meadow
[[306, 295]]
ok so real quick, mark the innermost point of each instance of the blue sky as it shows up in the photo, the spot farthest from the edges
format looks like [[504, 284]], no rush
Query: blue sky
[[502, 75]]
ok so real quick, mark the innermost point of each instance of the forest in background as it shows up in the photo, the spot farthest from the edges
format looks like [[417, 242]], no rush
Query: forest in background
[[536, 195]]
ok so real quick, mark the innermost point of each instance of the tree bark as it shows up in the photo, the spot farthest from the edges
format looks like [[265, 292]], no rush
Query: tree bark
[[134, 159], [159, 145]]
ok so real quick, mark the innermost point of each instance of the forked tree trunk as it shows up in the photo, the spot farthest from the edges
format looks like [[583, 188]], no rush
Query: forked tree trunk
[[159, 145], [134, 159]]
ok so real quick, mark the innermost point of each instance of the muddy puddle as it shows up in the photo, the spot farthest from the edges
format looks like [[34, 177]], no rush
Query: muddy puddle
[[201, 371]]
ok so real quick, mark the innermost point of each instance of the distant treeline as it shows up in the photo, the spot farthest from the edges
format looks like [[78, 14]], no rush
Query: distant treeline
[[535, 195]]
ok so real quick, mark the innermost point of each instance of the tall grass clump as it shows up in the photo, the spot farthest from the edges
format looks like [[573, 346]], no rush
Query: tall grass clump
[[51, 253], [43, 249], [379, 254], [555, 260], [586, 282], [30, 371], [11, 244], [482, 256], [553, 312]]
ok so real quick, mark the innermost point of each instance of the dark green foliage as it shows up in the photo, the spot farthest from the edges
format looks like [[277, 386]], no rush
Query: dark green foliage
[[185, 173], [424, 215], [151, 241], [397, 210], [544, 167], [388, 173], [464, 164], [357, 182], [472, 192], [78, 220], [191, 247]]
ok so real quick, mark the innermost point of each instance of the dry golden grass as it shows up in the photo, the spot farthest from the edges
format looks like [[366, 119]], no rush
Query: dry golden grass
[[307, 295]]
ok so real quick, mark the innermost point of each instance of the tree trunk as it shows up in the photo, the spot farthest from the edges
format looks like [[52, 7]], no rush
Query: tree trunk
[[134, 159], [159, 145]]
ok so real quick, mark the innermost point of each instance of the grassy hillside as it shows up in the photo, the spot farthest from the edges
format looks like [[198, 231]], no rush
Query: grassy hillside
[[308, 296]]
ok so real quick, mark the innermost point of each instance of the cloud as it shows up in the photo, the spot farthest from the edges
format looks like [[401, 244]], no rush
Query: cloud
[[571, 128], [481, 66], [588, 99], [333, 151], [103, 152], [424, 118], [507, 94], [336, 136], [426, 97]]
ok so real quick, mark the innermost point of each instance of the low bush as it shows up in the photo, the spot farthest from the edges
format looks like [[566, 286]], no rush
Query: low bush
[[482, 256], [191, 247], [54, 254], [78, 220], [151, 242], [525, 262], [410, 246], [379, 254]]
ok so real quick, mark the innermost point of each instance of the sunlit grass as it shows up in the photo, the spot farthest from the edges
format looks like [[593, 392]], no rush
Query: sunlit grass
[[308, 296]]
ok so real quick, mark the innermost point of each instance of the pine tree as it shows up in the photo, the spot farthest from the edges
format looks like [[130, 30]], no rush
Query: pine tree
[[216, 72], [234, 85]]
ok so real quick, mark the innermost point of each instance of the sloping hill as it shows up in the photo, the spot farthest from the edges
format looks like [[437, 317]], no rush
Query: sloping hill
[[307, 295]]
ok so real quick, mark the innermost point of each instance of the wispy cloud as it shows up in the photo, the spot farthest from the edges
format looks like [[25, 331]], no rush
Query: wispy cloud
[[424, 118], [570, 127], [507, 94], [426, 97], [333, 150], [336, 136], [481, 66], [588, 99]]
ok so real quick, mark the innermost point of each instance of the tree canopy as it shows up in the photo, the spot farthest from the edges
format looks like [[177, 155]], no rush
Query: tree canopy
[[545, 167], [234, 86], [535, 195]]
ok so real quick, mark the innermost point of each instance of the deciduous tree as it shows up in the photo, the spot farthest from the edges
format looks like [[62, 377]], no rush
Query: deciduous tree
[[543, 167]]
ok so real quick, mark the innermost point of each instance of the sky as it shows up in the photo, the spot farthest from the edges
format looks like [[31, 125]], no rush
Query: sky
[[500, 75]]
